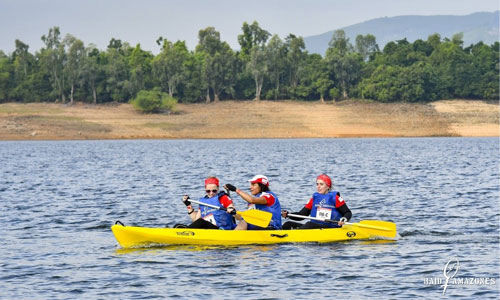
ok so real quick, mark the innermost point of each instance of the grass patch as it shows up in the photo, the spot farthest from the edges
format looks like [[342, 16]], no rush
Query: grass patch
[[160, 125], [473, 117], [27, 109], [62, 123], [173, 126]]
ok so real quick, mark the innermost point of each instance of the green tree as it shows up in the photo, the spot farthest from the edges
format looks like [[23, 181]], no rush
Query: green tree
[[295, 48], [258, 67], [92, 70], [453, 66], [169, 66], [209, 43], [223, 67], [25, 70], [6, 78], [485, 71], [218, 70], [423, 47], [75, 62], [117, 72], [252, 36], [400, 53], [308, 76], [54, 58], [253, 58], [23, 60], [382, 84], [139, 64], [321, 82], [276, 54], [343, 62], [366, 45], [417, 82], [193, 88], [434, 40]]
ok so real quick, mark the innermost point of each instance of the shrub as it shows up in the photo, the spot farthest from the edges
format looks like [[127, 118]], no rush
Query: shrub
[[168, 102], [334, 93], [153, 101]]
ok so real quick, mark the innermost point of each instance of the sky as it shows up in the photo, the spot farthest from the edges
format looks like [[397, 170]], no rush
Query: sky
[[132, 21]]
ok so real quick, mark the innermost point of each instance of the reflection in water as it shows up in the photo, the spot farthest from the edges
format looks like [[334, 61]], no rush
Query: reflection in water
[[158, 249]]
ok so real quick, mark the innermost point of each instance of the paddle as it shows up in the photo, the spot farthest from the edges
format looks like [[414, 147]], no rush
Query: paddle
[[253, 216], [389, 227]]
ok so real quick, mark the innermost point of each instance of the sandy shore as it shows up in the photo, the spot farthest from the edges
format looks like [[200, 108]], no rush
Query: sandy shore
[[249, 119]]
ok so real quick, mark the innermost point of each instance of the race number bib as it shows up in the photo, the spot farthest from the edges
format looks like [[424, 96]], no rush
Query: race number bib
[[324, 213], [210, 218]]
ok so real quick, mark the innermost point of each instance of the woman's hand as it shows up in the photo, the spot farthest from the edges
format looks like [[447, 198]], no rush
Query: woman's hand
[[284, 213], [230, 187], [185, 200]]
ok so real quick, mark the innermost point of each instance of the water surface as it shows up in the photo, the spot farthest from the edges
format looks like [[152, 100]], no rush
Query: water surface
[[59, 199]]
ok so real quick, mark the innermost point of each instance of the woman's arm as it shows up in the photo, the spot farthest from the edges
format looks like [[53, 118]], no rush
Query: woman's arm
[[250, 199], [345, 212], [194, 215], [191, 212], [342, 208]]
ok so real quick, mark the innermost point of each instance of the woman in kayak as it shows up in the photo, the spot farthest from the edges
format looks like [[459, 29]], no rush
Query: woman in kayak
[[207, 217], [261, 198], [324, 204]]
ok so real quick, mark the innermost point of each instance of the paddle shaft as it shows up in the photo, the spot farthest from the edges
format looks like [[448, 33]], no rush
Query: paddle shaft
[[209, 205], [347, 223], [313, 218]]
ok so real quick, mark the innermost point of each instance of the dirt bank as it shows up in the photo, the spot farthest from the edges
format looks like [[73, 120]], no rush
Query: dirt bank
[[249, 119]]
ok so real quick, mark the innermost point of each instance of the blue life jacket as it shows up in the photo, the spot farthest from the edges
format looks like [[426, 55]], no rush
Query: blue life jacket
[[222, 219], [274, 209], [323, 207]]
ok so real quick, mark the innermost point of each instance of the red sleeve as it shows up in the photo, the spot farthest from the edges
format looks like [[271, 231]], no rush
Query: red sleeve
[[309, 204], [269, 198], [225, 201], [339, 201]]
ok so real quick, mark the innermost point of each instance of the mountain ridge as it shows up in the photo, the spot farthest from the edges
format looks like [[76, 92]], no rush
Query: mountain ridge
[[479, 26]]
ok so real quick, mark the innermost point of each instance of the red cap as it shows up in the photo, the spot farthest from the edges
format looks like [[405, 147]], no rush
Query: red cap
[[212, 180], [260, 179], [326, 179]]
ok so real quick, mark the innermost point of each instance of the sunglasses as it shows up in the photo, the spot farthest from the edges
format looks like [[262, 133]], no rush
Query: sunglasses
[[213, 191]]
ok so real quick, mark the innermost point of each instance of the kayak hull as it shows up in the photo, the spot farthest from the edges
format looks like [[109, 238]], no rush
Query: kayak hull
[[130, 236]]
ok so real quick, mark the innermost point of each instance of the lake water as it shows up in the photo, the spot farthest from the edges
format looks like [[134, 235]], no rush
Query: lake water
[[59, 199]]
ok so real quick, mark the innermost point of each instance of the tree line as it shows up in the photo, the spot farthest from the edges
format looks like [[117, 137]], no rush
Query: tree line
[[265, 67]]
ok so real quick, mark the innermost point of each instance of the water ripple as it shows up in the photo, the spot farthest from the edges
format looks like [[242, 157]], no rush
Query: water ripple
[[59, 200]]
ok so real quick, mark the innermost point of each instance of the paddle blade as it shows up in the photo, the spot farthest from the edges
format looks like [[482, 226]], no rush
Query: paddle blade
[[377, 228], [384, 224], [256, 217]]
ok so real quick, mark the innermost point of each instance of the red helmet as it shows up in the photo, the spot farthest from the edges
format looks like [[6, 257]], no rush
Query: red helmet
[[326, 179], [212, 180], [260, 179]]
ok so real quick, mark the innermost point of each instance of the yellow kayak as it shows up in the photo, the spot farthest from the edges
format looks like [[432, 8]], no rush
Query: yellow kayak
[[130, 236]]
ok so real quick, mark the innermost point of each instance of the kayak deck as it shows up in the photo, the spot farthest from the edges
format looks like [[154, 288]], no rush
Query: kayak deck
[[131, 236]]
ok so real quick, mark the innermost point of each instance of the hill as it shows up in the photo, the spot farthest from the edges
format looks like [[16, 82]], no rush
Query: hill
[[481, 26]]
